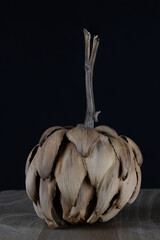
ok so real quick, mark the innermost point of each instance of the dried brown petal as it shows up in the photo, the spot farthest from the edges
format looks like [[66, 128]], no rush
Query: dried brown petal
[[112, 212], [107, 189], [135, 149], [47, 133], [70, 173], [79, 211], [126, 190], [123, 153], [101, 158], [138, 185], [106, 131], [38, 210], [30, 157], [66, 207], [49, 150], [47, 193], [31, 182], [84, 139]]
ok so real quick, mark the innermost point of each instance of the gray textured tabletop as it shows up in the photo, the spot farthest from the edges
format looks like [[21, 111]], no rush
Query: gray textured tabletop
[[140, 220]]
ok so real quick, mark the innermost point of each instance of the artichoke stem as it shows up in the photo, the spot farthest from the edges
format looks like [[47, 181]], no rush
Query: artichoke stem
[[90, 56]]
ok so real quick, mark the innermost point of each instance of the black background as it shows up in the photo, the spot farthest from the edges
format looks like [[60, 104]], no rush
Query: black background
[[42, 76]]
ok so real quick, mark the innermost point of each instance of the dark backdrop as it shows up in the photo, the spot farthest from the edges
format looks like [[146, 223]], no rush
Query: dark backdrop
[[42, 76]]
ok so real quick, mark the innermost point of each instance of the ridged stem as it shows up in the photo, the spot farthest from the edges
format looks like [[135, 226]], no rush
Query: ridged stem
[[91, 47]]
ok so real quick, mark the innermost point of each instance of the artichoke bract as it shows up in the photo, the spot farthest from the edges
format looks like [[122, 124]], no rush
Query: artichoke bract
[[83, 174]]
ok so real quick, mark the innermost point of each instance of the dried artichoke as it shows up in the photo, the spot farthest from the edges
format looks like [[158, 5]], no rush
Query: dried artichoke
[[83, 174]]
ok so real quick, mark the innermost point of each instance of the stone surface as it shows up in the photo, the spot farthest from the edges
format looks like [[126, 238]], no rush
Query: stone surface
[[138, 221]]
